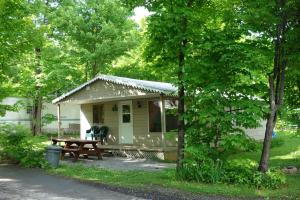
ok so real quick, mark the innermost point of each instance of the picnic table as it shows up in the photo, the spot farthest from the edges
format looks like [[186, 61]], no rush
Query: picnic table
[[76, 147]]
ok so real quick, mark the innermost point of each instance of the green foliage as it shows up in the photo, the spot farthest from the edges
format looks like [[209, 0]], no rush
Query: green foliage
[[277, 142], [238, 142], [48, 119], [200, 167], [13, 43], [171, 135], [245, 172], [289, 118], [15, 145], [101, 31]]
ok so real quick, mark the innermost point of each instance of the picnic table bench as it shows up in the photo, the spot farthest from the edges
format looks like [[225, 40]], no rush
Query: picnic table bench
[[76, 147]]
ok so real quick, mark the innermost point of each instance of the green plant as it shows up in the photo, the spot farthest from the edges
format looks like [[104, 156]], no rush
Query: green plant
[[171, 135], [48, 119], [199, 166], [277, 142], [203, 165], [11, 141], [245, 172], [238, 142], [17, 146]]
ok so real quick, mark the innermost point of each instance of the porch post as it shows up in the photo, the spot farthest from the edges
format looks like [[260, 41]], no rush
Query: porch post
[[163, 120], [58, 121]]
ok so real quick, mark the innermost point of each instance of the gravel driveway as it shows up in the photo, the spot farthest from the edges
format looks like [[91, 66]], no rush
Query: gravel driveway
[[33, 184]]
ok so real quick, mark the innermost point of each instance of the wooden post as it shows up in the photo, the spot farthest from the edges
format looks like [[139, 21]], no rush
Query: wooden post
[[163, 120], [58, 121]]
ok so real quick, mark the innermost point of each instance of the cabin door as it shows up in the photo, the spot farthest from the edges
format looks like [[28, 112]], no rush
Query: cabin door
[[125, 122]]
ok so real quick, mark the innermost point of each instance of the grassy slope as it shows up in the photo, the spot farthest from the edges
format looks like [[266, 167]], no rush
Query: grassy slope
[[287, 154]]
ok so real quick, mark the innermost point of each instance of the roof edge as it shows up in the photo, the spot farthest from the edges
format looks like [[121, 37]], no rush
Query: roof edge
[[106, 78]]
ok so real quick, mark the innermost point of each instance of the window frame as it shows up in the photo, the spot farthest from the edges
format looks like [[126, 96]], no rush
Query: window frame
[[102, 109], [148, 119]]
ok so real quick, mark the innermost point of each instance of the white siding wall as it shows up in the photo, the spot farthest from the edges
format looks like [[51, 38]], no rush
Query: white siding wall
[[257, 133], [111, 120], [86, 119], [69, 114], [18, 117]]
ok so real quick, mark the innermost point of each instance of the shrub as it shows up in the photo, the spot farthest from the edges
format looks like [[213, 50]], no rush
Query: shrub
[[245, 172], [11, 141], [238, 142], [16, 146], [200, 165]]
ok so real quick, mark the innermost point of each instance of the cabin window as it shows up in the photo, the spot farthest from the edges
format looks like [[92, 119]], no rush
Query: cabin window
[[98, 114], [155, 115], [171, 107], [126, 113]]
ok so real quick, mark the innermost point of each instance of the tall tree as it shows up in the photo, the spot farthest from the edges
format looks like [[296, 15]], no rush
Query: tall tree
[[45, 64], [15, 23], [102, 30], [133, 64], [171, 32], [225, 95], [279, 26]]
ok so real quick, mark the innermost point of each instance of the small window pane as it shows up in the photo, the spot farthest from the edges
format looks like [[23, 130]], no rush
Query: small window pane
[[126, 118], [126, 108]]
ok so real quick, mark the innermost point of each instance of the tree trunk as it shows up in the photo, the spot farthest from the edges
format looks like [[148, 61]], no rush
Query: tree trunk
[[86, 72], [37, 116], [218, 136], [94, 69], [181, 92], [181, 128], [271, 121], [37, 99], [276, 84], [263, 166]]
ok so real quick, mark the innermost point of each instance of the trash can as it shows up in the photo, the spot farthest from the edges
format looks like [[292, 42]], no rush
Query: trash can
[[53, 153]]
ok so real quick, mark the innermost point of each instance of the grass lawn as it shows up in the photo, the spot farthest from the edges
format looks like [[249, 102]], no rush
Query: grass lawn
[[286, 154]]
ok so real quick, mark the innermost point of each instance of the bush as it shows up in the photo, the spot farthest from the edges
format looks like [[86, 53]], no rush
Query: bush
[[199, 166], [245, 172], [16, 146], [238, 142]]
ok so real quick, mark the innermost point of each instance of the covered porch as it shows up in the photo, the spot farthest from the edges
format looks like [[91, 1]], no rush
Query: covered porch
[[136, 112]]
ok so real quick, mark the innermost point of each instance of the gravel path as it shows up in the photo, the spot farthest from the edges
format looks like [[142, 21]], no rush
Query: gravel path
[[125, 164]]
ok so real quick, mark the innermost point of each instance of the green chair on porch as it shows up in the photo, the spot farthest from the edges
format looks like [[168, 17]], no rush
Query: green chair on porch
[[90, 133], [102, 134], [97, 133]]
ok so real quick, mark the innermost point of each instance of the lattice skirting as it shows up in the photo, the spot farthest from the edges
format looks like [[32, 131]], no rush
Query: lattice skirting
[[138, 154]]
